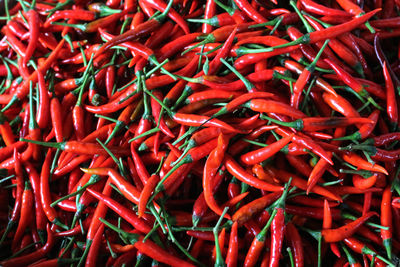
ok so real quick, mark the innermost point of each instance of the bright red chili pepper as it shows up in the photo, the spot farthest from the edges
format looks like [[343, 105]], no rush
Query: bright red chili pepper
[[386, 220]]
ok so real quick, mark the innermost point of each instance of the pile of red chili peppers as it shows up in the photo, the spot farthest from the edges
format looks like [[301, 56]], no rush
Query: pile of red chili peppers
[[200, 133]]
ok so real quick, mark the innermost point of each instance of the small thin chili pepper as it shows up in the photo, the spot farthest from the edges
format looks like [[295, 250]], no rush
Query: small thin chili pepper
[[356, 160], [146, 193], [338, 234], [391, 103], [232, 252], [26, 209], [45, 196], [300, 183], [236, 170], [139, 31], [294, 239], [262, 154], [320, 123], [210, 170], [278, 228], [81, 147], [245, 212], [128, 215], [318, 9], [34, 22], [23, 90], [306, 142], [386, 220]]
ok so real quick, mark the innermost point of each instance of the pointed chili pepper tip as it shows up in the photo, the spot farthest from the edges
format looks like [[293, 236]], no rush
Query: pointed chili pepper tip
[[85, 170]]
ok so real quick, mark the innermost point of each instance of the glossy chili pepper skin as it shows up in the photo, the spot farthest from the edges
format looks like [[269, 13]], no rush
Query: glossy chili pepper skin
[[335, 235]]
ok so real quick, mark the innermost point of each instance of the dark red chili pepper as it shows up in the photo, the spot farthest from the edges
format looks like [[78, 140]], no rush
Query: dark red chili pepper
[[391, 103], [295, 242], [34, 256]]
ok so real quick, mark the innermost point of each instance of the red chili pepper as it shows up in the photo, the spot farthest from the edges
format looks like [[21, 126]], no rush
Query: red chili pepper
[[26, 209], [146, 193], [45, 196], [139, 31], [300, 183], [232, 252], [23, 90], [236, 170], [210, 170], [125, 213], [295, 242], [34, 23], [278, 228], [308, 143], [356, 160], [361, 248], [391, 103], [245, 213], [338, 234], [34, 256], [364, 183], [386, 220], [318, 9], [262, 154]]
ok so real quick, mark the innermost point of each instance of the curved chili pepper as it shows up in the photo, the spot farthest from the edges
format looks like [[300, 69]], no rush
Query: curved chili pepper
[[346, 231], [94, 247], [318, 9], [245, 212], [45, 196], [139, 31], [300, 183], [264, 153], [34, 22], [250, 11], [356, 160], [127, 214], [361, 248], [269, 106], [308, 143], [23, 90], [70, 14], [210, 170], [364, 183], [236, 170]]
